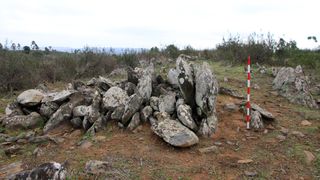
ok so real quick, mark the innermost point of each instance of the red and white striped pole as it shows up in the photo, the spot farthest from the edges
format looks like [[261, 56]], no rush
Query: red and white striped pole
[[248, 94]]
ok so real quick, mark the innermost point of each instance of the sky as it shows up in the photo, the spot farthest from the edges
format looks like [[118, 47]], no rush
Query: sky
[[147, 23]]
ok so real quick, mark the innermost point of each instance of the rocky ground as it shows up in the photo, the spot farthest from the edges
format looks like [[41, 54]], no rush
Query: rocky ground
[[285, 148]]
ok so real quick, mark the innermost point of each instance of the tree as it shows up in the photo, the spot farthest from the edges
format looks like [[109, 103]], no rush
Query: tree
[[312, 38], [1, 46], [26, 49], [34, 45], [18, 47], [13, 46], [172, 51]]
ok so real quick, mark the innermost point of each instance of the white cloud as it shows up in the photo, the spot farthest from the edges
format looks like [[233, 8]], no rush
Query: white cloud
[[145, 23]]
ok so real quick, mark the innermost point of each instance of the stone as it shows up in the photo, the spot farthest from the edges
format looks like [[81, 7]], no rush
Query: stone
[[225, 79], [174, 133], [179, 102], [185, 80], [144, 87], [293, 85], [244, 161], [264, 113], [281, 137], [154, 103], [134, 75], [13, 109], [310, 157], [131, 107], [206, 89], [184, 114], [230, 107], [130, 88], [298, 134], [275, 71], [208, 149], [284, 131], [256, 120], [22, 121], [161, 116], [167, 103], [104, 168], [80, 111], [85, 144], [117, 113], [12, 150], [86, 123], [76, 122], [145, 113], [250, 173], [135, 121], [104, 83], [208, 126], [256, 86], [114, 97], [48, 108], [306, 123], [38, 152], [13, 168], [230, 92], [173, 77], [30, 97], [52, 170], [58, 97]]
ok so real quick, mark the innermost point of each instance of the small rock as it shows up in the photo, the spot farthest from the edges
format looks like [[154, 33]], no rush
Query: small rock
[[281, 137], [167, 103], [208, 149], [145, 113], [309, 157], [284, 131], [250, 173], [298, 133], [135, 121], [30, 97], [38, 152], [76, 133], [245, 161], [117, 113], [85, 144], [154, 103], [218, 143], [12, 150], [225, 79], [230, 107], [306, 123], [99, 138], [76, 122]]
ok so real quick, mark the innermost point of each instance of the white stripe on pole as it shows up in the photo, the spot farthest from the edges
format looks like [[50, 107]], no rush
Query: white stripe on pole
[[248, 83], [248, 97]]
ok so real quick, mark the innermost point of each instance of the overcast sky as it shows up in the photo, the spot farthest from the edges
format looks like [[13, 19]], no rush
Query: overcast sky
[[147, 23]]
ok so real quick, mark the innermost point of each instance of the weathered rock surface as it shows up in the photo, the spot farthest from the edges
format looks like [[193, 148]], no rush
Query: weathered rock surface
[[48, 108], [144, 87], [57, 97], [206, 86], [118, 113], [230, 92], [76, 122], [52, 170], [208, 126], [154, 103], [184, 113], [167, 103], [173, 77], [266, 114], [22, 121], [114, 97], [80, 111], [131, 107], [135, 121], [174, 133], [30, 97], [146, 112], [185, 80], [13, 109], [292, 84], [256, 120]]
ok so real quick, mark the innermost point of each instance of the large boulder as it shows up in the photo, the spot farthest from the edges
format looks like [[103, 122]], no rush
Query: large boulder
[[114, 97], [144, 87], [64, 112], [206, 89], [185, 80], [13, 109], [58, 97], [48, 108], [292, 84], [131, 107], [174, 133], [22, 121], [167, 103], [184, 113], [30, 97], [173, 77], [52, 170]]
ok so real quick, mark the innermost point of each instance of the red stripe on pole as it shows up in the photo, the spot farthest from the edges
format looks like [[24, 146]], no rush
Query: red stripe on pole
[[249, 60], [249, 76], [248, 91], [248, 94]]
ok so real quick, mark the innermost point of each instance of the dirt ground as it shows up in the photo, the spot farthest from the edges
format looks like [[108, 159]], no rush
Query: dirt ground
[[143, 155]]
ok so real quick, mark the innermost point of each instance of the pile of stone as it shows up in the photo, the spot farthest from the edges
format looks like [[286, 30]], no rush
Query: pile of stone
[[178, 109], [294, 85]]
